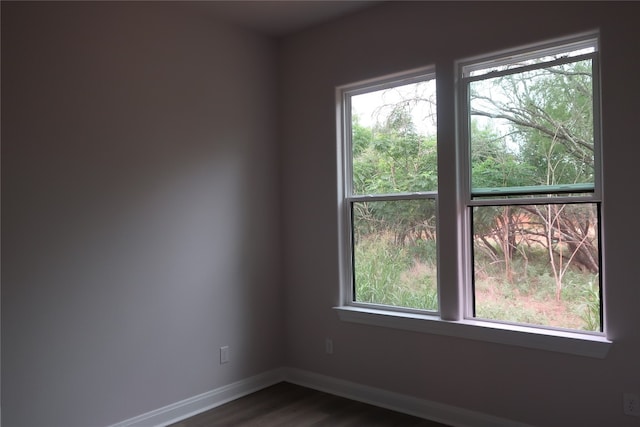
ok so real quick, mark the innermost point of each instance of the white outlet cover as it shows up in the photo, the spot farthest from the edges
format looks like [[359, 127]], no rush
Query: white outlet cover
[[224, 354], [328, 346]]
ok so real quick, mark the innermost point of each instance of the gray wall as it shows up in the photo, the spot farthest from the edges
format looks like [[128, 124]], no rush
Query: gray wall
[[139, 209], [538, 387], [141, 192]]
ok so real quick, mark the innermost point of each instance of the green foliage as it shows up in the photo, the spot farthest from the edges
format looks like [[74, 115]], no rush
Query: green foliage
[[534, 264], [590, 307], [494, 164], [391, 275], [548, 116], [531, 297], [392, 157]]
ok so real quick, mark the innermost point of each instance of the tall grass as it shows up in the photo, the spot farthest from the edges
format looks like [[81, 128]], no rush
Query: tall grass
[[405, 276], [589, 310], [530, 297], [394, 275]]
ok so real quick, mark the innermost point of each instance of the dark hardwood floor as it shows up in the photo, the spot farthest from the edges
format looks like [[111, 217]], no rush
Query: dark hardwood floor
[[286, 404]]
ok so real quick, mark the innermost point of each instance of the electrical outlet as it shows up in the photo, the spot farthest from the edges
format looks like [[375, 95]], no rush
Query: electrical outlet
[[328, 346], [631, 404], [224, 354]]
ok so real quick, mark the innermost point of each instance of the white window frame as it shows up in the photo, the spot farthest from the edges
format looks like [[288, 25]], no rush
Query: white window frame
[[454, 317], [344, 93], [593, 194]]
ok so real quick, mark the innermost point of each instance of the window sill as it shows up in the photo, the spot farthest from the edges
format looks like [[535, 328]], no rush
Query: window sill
[[574, 343]]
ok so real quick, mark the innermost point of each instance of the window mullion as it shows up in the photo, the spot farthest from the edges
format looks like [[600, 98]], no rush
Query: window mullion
[[449, 206]]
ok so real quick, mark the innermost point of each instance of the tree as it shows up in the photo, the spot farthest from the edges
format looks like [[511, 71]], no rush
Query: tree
[[392, 157], [547, 139]]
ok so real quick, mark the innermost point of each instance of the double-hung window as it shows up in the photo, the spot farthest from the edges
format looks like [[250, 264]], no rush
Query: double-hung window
[[390, 191], [531, 151], [528, 193]]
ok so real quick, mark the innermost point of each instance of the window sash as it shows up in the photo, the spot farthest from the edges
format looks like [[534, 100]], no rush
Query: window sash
[[352, 266], [368, 86], [465, 136], [345, 94], [352, 301], [556, 194], [471, 303]]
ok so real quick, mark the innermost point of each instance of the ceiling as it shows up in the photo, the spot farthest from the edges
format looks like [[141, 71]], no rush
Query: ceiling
[[281, 17]]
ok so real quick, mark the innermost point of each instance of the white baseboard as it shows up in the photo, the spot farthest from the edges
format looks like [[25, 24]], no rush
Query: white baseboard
[[203, 402], [434, 411]]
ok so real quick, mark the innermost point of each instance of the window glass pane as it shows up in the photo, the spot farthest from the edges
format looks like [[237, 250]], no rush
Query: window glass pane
[[538, 264], [394, 253], [533, 128], [394, 139]]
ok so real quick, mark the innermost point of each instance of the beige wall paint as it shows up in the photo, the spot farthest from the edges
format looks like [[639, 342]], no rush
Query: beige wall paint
[[139, 209], [536, 387]]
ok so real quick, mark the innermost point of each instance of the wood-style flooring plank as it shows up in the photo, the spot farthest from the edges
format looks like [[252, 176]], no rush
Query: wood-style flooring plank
[[290, 405]]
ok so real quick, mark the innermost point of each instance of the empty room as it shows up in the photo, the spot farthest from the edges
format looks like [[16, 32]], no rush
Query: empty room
[[419, 205]]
